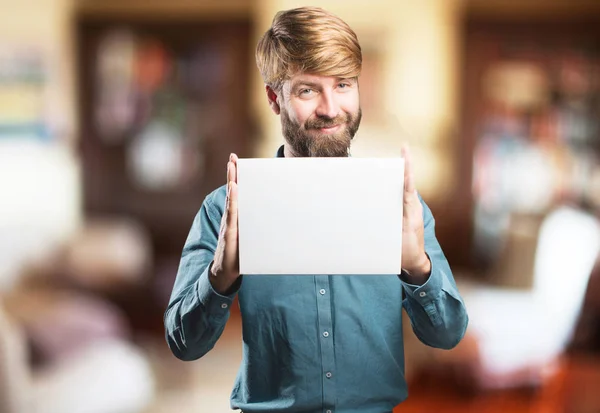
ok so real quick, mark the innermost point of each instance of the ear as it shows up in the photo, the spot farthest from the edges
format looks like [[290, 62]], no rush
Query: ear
[[272, 98]]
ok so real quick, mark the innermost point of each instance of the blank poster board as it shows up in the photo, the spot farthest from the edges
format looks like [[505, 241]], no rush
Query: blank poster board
[[308, 216]]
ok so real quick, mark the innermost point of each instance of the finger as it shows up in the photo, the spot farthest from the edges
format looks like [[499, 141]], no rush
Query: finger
[[227, 193], [233, 158], [232, 210], [230, 173], [235, 168], [409, 182]]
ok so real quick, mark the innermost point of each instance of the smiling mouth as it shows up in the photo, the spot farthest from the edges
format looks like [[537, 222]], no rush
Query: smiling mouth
[[329, 129]]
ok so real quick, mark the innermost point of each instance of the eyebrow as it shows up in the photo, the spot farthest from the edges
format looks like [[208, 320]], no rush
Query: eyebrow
[[299, 83], [315, 85]]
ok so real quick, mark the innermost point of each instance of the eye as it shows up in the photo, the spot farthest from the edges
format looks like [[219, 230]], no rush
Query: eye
[[344, 85], [305, 92]]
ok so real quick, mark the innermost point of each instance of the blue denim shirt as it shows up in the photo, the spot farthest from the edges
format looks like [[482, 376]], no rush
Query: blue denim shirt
[[317, 343]]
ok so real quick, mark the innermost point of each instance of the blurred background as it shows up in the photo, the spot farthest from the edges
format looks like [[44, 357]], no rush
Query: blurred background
[[117, 118]]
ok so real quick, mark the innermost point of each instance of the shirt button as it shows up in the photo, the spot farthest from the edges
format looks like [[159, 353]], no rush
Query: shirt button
[[422, 294], [328, 374], [327, 411], [223, 305], [325, 334], [322, 291]]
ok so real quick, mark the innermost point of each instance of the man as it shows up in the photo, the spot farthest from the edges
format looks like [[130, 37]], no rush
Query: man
[[312, 343]]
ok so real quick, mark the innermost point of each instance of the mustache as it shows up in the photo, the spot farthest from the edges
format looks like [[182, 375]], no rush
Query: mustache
[[324, 122]]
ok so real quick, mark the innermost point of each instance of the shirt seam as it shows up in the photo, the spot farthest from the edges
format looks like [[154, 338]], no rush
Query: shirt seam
[[212, 213]]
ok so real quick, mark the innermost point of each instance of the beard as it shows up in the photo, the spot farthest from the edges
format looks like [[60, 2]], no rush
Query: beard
[[307, 141]]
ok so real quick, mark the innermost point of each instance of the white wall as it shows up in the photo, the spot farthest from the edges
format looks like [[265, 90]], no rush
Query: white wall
[[39, 181]]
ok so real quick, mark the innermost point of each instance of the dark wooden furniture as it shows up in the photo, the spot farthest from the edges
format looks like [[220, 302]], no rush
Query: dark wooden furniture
[[190, 75]]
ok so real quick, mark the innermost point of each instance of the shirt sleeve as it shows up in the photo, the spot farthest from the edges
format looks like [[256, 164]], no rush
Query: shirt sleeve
[[197, 314], [436, 309]]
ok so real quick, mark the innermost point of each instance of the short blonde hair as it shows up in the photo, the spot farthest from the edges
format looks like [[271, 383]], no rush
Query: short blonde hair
[[309, 40]]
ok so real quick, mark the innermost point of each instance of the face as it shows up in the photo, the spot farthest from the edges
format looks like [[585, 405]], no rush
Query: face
[[319, 114]]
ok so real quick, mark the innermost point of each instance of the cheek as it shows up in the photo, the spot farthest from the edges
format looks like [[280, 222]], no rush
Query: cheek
[[301, 111], [350, 103]]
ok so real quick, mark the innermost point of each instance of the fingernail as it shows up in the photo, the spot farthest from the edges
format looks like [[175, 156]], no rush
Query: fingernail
[[231, 157]]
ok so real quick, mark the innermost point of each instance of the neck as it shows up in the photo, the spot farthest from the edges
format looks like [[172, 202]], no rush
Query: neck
[[288, 152]]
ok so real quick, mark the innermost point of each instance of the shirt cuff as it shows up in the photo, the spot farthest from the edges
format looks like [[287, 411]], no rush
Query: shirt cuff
[[216, 305], [428, 291]]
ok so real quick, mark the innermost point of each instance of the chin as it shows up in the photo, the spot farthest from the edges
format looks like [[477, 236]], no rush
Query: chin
[[330, 151]]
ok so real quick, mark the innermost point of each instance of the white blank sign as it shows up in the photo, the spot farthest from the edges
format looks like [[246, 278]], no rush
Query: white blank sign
[[320, 215]]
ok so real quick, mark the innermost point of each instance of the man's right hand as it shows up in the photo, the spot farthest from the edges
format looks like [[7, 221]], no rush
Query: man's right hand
[[225, 269]]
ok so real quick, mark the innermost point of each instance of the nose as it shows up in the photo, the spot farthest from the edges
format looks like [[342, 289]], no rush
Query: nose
[[328, 106]]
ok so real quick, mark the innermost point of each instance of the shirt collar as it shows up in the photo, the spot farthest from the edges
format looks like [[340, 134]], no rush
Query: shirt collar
[[280, 153]]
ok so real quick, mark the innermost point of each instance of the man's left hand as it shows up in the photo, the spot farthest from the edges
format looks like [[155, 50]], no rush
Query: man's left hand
[[414, 259]]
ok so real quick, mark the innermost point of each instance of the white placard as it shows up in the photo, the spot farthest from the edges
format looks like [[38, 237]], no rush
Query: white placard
[[320, 215]]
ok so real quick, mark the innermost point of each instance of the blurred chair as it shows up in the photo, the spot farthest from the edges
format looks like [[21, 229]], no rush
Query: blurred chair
[[14, 379], [107, 376], [108, 255], [65, 347], [520, 334], [63, 316]]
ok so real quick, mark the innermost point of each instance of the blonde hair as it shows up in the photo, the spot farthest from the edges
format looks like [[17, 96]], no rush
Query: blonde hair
[[309, 40]]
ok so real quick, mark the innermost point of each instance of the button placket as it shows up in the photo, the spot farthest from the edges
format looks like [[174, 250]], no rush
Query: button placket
[[325, 326]]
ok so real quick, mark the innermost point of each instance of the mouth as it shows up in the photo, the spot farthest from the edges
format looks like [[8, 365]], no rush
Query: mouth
[[330, 129]]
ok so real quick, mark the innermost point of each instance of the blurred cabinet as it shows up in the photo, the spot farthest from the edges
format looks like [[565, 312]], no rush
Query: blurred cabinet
[[531, 122], [162, 104]]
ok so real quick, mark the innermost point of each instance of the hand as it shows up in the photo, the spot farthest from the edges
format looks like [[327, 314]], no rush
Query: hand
[[225, 269], [414, 259]]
